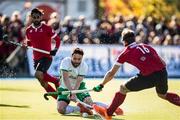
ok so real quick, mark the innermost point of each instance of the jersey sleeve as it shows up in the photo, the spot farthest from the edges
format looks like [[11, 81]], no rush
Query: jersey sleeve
[[83, 69], [64, 65], [27, 34], [122, 57], [51, 32], [27, 40]]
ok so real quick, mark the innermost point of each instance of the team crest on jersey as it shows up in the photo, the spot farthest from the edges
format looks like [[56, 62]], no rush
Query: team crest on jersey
[[143, 58], [41, 30]]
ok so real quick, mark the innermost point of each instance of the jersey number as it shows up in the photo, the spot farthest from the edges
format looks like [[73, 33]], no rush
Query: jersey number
[[143, 49]]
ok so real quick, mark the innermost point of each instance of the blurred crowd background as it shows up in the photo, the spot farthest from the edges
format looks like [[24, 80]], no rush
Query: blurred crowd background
[[104, 28]]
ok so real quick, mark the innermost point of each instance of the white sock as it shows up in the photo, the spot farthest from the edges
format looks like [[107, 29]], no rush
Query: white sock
[[72, 109]]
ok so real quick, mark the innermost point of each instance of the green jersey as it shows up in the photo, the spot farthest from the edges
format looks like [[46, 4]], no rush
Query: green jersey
[[74, 72]]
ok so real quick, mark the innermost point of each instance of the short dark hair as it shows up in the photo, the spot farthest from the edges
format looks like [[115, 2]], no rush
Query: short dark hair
[[128, 35], [78, 51], [37, 11]]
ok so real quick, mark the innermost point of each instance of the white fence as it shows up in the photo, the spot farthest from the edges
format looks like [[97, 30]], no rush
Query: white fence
[[101, 57]]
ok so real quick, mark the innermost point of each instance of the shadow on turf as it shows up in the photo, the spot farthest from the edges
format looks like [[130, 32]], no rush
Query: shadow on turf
[[17, 106], [90, 117]]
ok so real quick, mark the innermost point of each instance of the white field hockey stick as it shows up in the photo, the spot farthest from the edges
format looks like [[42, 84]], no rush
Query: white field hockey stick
[[65, 92], [39, 50], [95, 114], [85, 104], [76, 91], [5, 39], [29, 47], [13, 54]]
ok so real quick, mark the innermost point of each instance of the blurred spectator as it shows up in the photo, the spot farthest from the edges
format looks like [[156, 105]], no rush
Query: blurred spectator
[[67, 24], [55, 24], [55, 15], [130, 25], [16, 26], [156, 41], [28, 19], [5, 21], [176, 40], [82, 20], [168, 40]]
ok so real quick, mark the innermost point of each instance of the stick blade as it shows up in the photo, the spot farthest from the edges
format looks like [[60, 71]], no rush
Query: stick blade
[[97, 116], [45, 96], [5, 38]]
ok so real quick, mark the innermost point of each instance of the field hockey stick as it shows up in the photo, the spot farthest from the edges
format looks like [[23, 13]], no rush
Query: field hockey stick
[[95, 114], [65, 92], [50, 94], [13, 54], [5, 39], [83, 103]]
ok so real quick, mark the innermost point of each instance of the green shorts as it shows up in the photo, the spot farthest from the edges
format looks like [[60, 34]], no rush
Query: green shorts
[[80, 96]]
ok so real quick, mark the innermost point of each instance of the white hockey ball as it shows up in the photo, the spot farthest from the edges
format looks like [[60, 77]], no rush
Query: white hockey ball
[[85, 115]]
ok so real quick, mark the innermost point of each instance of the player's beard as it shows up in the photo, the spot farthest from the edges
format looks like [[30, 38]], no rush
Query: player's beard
[[75, 64], [37, 23]]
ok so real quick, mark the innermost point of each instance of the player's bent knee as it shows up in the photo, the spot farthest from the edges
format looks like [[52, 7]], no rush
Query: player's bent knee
[[123, 89], [61, 110], [61, 107]]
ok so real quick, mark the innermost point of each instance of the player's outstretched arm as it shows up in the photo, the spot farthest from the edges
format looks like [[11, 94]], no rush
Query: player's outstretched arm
[[110, 74], [108, 77]]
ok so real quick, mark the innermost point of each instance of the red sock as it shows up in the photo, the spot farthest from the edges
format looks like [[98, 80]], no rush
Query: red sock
[[51, 89], [173, 98], [117, 101], [49, 78]]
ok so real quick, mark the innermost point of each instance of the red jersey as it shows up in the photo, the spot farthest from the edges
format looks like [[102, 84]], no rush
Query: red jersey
[[142, 56], [40, 38]]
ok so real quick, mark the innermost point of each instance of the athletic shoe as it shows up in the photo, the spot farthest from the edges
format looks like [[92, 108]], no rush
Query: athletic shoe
[[102, 111], [119, 111], [83, 109]]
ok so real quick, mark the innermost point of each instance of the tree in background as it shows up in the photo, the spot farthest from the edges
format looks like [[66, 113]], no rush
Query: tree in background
[[158, 9]]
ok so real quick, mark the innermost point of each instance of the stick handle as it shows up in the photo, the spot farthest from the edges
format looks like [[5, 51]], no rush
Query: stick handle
[[83, 103], [29, 47], [77, 91], [38, 50], [65, 92]]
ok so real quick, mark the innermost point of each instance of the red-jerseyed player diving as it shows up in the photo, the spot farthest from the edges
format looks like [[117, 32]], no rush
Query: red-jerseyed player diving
[[39, 35], [152, 74]]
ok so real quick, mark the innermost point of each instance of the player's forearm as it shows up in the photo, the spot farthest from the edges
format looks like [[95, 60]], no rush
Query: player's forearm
[[79, 80], [67, 83], [108, 77], [110, 74]]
